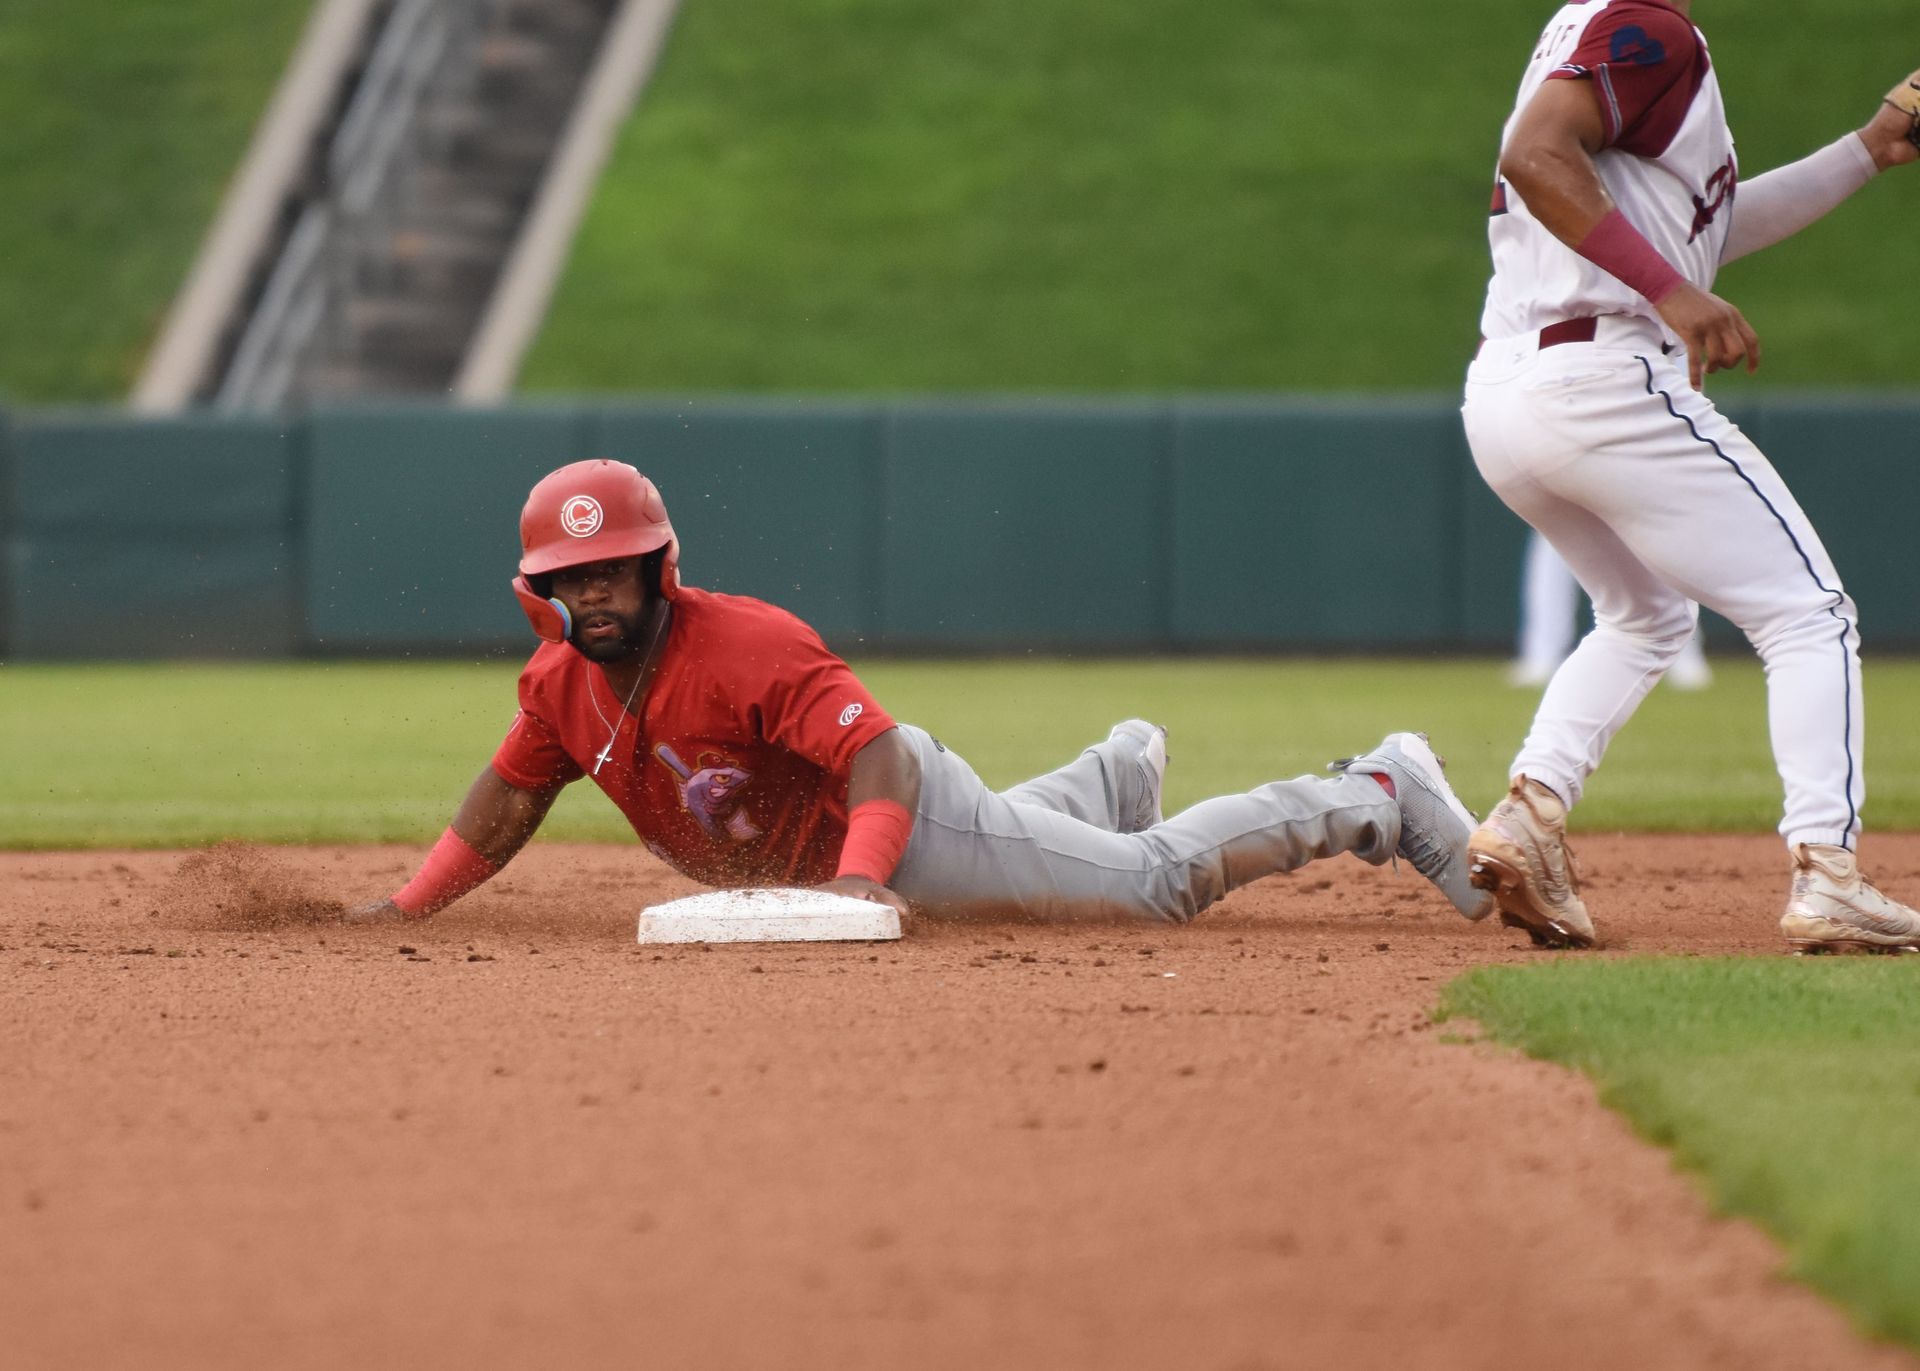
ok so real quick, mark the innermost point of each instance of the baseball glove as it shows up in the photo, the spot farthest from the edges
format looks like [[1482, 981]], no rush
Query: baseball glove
[[1905, 97]]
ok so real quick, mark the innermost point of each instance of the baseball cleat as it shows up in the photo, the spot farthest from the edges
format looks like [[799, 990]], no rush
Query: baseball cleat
[[1521, 858], [1832, 908], [1433, 823], [1152, 739]]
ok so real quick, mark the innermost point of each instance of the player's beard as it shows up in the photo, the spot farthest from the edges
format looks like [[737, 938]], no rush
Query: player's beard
[[631, 638]]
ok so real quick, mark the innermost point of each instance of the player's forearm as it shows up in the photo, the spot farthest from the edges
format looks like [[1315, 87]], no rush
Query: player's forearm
[[1557, 182], [1559, 186], [496, 818], [1778, 204], [493, 823], [885, 769], [883, 792], [452, 869], [1548, 162]]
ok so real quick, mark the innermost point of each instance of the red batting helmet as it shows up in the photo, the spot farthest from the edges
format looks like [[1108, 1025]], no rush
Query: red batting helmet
[[593, 511]]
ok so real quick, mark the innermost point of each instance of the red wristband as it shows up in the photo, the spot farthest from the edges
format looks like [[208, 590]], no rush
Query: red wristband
[[450, 871], [1617, 247], [877, 833]]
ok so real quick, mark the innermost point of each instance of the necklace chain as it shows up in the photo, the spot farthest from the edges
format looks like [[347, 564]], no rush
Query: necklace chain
[[613, 729]]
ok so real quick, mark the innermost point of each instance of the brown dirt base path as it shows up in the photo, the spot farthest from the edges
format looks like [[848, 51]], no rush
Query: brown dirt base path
[[233, 1134]]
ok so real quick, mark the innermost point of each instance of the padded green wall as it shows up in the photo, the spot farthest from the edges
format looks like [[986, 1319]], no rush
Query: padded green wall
[[1317, 524], [779, 501], [139, 538], [1009, 525], [413, 523], [8, 541], [937, 525]]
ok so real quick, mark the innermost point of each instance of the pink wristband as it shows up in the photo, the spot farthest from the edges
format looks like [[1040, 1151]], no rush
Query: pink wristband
[[450, 871], [1620, 249], [877, 833]]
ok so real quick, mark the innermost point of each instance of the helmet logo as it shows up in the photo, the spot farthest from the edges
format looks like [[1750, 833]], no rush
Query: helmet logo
[[581, 516]]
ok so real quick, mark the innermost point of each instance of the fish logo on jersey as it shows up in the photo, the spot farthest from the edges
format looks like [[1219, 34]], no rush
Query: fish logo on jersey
[[711, 793]]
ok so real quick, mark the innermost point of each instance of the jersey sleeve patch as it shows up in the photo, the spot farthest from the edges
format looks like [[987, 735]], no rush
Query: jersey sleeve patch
[[1646, 63], [1633, 45]]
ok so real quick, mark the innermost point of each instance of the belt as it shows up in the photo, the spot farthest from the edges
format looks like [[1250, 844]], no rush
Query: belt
[[1566, 331], [1569, 331], [1584, 330]]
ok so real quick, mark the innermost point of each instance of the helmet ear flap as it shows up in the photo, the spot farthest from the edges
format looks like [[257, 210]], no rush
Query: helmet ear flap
[[658, 574], [548, 616]]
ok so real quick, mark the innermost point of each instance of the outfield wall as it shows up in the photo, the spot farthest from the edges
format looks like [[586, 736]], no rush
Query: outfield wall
[[1265, 523]]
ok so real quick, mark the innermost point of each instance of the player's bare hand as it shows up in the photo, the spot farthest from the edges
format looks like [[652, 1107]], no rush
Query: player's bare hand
[[863, 889], [379, 912], [1893, 134], [1716, 334]]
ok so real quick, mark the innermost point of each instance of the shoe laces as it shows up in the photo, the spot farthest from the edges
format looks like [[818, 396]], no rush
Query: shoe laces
[[1423, 859], [1420, 847], [1527, 794], [1522, 796]]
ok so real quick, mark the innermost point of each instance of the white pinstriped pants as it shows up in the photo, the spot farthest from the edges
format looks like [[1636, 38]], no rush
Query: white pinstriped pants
[[1655, 500]]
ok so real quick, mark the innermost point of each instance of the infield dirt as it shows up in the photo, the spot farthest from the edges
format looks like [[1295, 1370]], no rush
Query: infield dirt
[[235, 1132]]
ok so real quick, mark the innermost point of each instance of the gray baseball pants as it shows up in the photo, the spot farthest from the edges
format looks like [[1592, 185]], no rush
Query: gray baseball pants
[[1080, 842]]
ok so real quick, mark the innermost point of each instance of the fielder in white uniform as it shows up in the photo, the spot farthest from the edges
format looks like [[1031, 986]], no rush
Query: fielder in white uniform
[[1617, 200]]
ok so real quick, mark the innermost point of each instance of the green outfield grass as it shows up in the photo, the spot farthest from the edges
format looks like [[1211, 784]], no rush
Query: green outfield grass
[[337, 752], [122, 122], [887, 195], [1791, 1086]]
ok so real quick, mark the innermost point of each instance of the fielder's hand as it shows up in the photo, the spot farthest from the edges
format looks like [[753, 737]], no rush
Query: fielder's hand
[[863, 889], [1893, 134], [1716, 334]]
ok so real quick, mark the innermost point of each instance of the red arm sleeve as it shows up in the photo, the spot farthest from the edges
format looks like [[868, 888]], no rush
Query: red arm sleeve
[[1646, 64]]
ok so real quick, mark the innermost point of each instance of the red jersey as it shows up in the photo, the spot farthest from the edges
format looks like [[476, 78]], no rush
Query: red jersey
[[736, 772]]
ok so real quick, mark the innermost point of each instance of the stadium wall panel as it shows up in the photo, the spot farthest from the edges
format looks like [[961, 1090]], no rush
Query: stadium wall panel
[[152, 538], [1322, 523], [1258, 524], [780, 501], [1010, 525], [7, 536], [412, 521]]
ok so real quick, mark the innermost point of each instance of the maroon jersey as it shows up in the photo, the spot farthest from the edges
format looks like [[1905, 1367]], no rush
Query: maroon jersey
[[736, 771], [1647, 63]]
